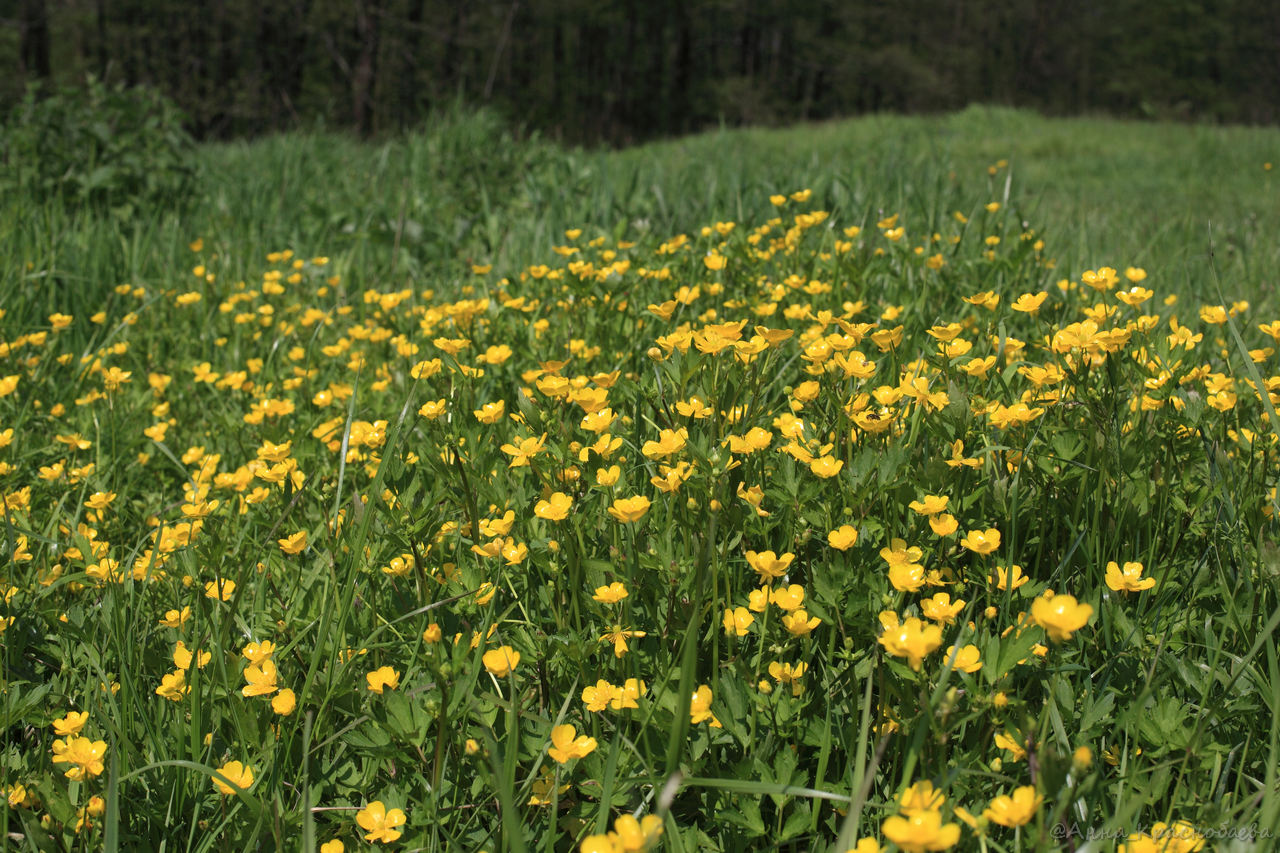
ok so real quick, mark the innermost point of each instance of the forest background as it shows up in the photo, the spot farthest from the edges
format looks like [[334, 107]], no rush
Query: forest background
[[624, 72]]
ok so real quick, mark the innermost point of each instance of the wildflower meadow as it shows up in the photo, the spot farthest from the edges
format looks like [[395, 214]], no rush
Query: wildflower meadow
[[471, 494]]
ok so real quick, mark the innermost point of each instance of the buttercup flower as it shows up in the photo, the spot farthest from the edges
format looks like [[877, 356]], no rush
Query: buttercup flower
[[611, 594], [629, 510], [700, 707], [1060, 616], [913, 640], [295, 543], [379, 823], [768, 564], [554, 508], [967, 659], [843, 538], [284, 702], [1127, 579], [982, 541], [84, 756], [921, 831], [1015, 810], [567, 745], [501, 661], [71, 724], [383, 678], [241, 777], [737, 621]]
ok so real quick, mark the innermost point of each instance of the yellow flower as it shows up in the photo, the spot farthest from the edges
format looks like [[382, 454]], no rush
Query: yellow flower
[[866, 845], [628, 510], [630, 834], [431, 409], [1004, 741], [669, 442], [1134, 296], [757, 438], [931, 505], [826, 466], [1128, 579], [597, 844], [785, 673], [295, 543], [183, 657], [1005, 417], [799, 623], [768, 564], [967, 659], [941, 608], [379, 823], [554, 508], [238, 774], [738, 621], [700, 707], [921, 831], [261, 678], [1016, 810], [100, 500], [1029, 303], [221, 589], [71, 724], [1177, 837], [920, 797], [490, 413], [982, 541], [1060, 615], [628, 695], [598, 696], [843, 538], [83, 754], [433, 633], [485, 593], [526, 449], [501, 661], [1008, 578], [787, 598], [514, 552], [913, 640], [944, 524], [611, 594], [382, 678], [619, 636], [567, 745], [284, 702], [173, 686], [334, 845], [258, 652]]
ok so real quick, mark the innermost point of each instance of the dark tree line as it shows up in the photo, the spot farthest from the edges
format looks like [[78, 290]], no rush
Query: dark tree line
[[631, 69]]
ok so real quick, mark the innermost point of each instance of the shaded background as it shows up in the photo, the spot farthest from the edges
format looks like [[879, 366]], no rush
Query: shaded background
[[621, 72]]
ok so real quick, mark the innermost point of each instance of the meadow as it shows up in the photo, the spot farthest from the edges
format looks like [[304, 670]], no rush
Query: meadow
[[895, 483]]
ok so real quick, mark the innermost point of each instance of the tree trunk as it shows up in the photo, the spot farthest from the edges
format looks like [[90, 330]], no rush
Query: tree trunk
[[368, 30], [33, 36]]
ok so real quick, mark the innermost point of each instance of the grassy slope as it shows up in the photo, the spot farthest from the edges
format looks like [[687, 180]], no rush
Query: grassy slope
[[1102, 192], [1109, 192]]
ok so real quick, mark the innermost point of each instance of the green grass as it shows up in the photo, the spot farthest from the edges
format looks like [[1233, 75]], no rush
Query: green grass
[[319, 361]]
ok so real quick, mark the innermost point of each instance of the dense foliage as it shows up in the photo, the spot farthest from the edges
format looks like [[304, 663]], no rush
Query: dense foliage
[[626, 71], [844, 515], [105, 148]]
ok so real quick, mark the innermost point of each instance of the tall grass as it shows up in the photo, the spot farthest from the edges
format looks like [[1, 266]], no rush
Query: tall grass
[[312, 345]]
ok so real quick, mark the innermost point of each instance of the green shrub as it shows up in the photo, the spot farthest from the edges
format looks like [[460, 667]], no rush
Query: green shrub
[[107, 147]]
